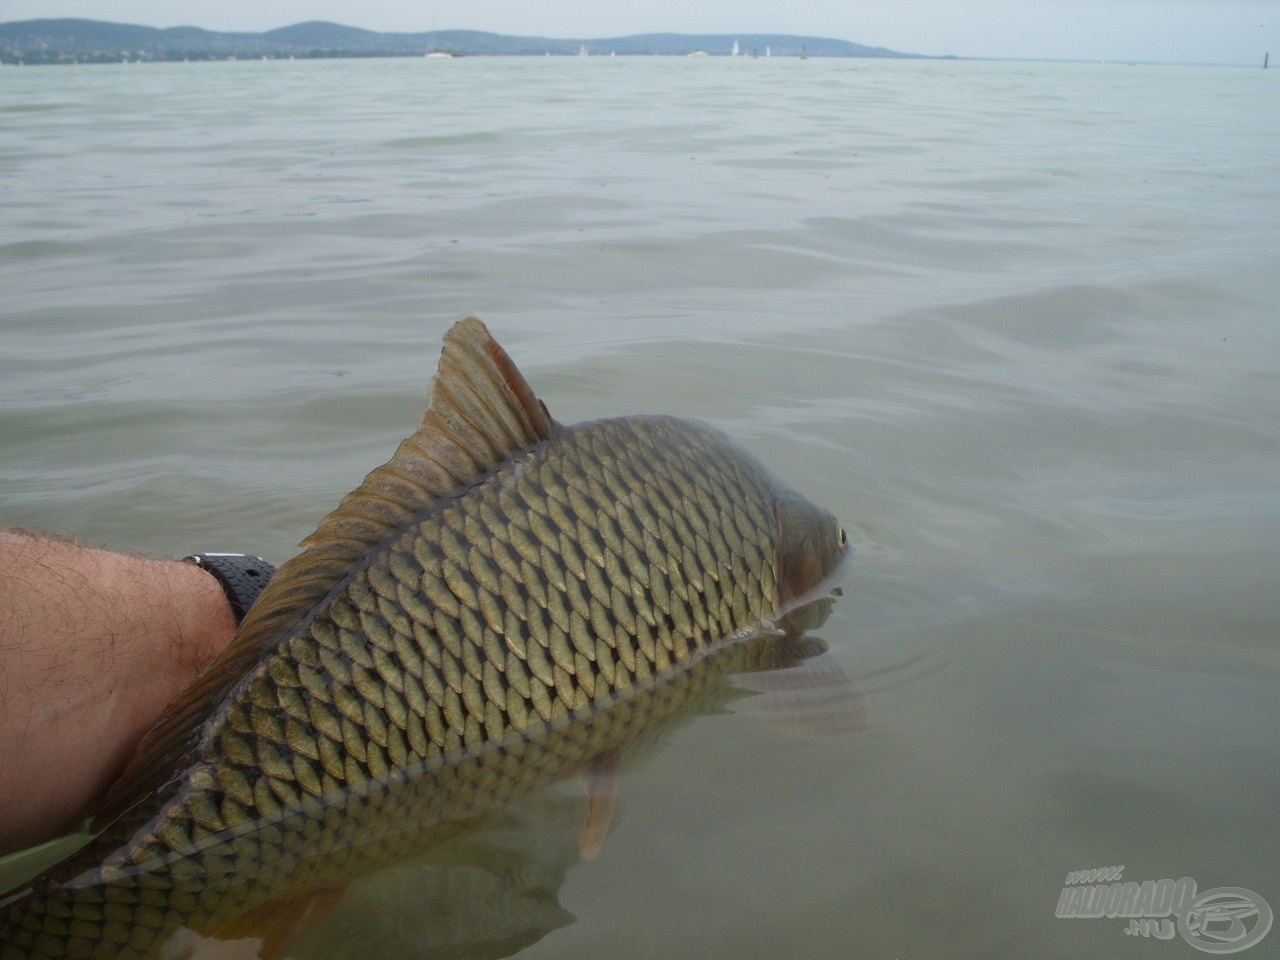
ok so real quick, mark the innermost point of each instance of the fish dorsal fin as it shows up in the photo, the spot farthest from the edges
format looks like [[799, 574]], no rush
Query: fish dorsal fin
[[481, 413]]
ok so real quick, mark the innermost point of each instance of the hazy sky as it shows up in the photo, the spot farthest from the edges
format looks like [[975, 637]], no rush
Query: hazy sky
[[1225, 31]]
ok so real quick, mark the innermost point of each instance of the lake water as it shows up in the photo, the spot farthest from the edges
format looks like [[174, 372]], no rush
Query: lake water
[[1016, 324]]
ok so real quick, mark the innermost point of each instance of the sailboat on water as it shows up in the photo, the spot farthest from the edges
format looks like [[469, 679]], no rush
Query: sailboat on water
[[434, 52], [736, 52]]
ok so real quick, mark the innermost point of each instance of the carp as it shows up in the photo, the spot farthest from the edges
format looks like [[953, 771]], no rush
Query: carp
[[506, 601]]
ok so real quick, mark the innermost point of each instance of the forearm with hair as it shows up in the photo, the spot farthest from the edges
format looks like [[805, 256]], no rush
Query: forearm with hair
[[93, 644]]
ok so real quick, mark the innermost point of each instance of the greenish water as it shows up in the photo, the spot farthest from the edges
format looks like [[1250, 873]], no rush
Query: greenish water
[[1016, 324]]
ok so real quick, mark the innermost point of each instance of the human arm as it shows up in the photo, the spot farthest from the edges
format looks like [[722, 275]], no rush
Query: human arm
[[93, 645]]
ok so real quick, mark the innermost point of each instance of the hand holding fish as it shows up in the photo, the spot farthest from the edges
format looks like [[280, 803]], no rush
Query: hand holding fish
[[93, 644], [506, 601]]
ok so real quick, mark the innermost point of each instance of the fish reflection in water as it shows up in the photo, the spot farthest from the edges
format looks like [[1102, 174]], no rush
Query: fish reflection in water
[[488, 893], [506, 601]]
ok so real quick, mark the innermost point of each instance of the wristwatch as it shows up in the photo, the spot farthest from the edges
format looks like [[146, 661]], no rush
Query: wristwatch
[[240, 575]]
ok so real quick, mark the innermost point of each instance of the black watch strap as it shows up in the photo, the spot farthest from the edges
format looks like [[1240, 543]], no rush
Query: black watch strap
[[241, 576]]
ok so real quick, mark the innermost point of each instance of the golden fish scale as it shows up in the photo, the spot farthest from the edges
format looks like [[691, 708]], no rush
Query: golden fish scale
[[594, 563]]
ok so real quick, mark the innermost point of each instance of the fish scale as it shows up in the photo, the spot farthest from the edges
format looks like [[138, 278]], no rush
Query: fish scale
[[480, 646]]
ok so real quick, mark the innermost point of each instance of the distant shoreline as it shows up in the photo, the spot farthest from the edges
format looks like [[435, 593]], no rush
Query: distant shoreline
[[70, 41]]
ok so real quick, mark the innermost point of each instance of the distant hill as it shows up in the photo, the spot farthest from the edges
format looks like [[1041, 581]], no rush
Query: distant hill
[[93, 41]]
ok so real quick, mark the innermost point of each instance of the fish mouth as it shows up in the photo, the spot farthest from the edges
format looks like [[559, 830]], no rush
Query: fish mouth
[[811, 609]]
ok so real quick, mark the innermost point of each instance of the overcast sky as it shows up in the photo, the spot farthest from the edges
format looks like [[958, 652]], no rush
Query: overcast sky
[[1222, 31]]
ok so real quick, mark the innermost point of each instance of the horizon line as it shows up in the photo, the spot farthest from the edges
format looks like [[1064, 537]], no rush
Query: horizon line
[[1127, 61]]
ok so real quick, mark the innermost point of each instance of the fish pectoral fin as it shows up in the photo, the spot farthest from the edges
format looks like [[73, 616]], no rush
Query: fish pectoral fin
[[275, 922], [600, 780], [804, 690]]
